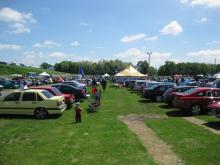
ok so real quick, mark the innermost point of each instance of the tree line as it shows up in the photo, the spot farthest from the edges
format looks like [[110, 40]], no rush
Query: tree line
[[113, 66]]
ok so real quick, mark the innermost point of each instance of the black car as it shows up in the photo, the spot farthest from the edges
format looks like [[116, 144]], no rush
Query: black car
[[168, 96], [69, 89], [156, 92]]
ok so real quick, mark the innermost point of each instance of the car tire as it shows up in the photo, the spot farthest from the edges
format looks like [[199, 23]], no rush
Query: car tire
[[40, 113], [196, 109], [69, 106], [158, 99]]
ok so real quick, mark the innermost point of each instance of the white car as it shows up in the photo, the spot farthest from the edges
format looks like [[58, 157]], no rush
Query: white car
[[39, 103]]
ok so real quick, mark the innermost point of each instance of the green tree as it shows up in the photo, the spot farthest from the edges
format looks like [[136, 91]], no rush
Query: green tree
[[45, 65]]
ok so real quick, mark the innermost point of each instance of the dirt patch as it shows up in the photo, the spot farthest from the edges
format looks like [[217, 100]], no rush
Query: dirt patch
[[202, 124], [157, 148]]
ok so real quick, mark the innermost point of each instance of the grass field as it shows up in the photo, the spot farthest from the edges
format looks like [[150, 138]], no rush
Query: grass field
[[101, 138], [8, 70]]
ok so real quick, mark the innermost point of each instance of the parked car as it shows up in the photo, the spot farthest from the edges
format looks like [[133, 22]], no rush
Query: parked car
[[156, 92], [69, 89], [214, 108], [131, 84], [39, 103], [168, 96], [1, 87], [75, 84], [149, 85], [196, 100], [69, 98], [138, 83]]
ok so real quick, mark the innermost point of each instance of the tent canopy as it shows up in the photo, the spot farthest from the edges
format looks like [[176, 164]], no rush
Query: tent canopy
[[106, 75], [130, 71], [44, 74]]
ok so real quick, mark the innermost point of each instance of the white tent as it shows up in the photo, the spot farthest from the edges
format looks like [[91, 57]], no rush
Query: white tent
[[44, 74], [217, 75], [106, 75]]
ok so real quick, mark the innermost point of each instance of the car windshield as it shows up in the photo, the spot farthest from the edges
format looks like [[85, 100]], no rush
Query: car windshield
[[190, 91], [47, 94], [56, 91], [170, 90], [153, 86]]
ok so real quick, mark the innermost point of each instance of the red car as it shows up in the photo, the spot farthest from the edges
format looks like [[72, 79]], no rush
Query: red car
[[196, 100], [69, 98], [214, 108]]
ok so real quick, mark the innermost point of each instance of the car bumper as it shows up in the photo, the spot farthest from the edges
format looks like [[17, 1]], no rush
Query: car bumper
[[59, 109]]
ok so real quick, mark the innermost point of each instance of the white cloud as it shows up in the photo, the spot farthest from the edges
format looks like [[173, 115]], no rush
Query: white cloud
[[59, 55], [84, 24], [127, 39], [204, 19], [11, 15], [20, 28], [151, 38], [205, 53], [213, 42], [9, 47], [207, 3], [32, 58], [47, 44], [18, 21], [173, 28], [134, 55], [75, 43]]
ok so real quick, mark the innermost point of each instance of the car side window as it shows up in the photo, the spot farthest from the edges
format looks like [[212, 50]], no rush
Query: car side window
[[58, 87], [216, 93], [201, 94], [13, 97], [208, 94], [29, 96], [162, 88], [39, 98]]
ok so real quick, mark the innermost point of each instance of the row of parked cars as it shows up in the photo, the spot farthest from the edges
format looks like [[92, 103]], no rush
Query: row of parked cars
[[42, 101], [191, 99]]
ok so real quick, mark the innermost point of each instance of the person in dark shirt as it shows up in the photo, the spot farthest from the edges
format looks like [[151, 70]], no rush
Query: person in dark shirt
[[78, 110]]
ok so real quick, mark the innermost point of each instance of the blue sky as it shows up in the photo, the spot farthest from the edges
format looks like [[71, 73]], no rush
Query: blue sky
[[32, 32]]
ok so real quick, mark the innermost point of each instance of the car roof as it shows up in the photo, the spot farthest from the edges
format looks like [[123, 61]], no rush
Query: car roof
[[29, 90], [41, 87]]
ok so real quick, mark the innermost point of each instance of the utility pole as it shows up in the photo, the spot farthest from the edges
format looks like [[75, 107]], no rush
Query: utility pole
[[149, 54]]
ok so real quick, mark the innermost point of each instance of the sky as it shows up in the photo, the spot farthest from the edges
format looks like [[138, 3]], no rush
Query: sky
[[33, 32]]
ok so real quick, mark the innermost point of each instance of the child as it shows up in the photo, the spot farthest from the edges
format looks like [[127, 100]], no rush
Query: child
[[78, 113]]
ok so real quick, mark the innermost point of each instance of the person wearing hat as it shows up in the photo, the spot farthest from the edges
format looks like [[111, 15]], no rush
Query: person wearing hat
[[78, 110]]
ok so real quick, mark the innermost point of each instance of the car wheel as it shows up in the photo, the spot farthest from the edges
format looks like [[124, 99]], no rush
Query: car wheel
[[69, 106], [195, 109], [41, 113], [158, 99]]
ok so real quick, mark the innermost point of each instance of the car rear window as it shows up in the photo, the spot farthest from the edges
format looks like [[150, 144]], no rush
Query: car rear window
[[190, 91], [13, 97], [56, 91], [47, 94]]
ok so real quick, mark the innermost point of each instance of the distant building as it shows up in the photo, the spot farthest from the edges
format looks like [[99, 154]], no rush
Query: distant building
[[51, 68], [22, 65]]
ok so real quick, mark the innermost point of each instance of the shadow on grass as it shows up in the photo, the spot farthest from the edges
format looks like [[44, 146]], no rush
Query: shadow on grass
[[145, 101], [165, 106], [213, 124], [6, 116], [177, 113]]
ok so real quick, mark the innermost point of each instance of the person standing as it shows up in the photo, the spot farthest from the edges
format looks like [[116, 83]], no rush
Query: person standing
[[78, 110], [104, 83]]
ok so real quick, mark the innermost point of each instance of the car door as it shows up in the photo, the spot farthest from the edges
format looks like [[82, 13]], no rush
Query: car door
[[29, 103], [11, 103], [206, 98]]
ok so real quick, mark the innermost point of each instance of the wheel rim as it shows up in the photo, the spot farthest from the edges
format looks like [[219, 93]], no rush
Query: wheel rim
[[196, 109], [41, 114]]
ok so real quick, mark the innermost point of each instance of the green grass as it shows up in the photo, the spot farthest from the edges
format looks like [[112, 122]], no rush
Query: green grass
[[101, 138], [193, 144], [8, 70]]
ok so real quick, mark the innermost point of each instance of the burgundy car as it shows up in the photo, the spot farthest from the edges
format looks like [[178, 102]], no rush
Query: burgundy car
[[196, 100], [214, 108], [69, 98]]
